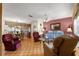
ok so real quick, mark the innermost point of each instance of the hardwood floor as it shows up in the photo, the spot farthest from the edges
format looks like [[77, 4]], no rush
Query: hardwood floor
[[28, 48]]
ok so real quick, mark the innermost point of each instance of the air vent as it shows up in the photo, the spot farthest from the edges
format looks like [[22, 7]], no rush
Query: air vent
[[30, 15]]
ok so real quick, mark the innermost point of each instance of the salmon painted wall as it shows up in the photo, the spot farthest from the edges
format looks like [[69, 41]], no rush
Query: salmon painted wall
[[65, 23]]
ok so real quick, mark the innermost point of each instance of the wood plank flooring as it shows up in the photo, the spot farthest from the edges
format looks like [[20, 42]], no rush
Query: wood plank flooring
[[28, 48]]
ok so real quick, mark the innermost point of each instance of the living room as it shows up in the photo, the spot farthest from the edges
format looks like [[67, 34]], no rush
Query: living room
[[30, 24]]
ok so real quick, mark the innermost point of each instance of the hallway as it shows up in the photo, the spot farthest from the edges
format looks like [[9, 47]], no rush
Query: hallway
[[28, 48]]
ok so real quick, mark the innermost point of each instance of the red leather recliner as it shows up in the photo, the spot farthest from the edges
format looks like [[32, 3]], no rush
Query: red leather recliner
[[36, 36], [9, 42]]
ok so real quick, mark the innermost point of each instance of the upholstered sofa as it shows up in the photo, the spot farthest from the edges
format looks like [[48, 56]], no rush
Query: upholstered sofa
[[51, 35], [61, 46]]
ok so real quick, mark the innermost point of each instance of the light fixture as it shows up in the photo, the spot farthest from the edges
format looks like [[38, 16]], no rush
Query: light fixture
[[69, 30], [45, 18]]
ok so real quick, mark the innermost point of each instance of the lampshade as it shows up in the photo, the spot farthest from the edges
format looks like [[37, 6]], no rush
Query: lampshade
[[69, 29]]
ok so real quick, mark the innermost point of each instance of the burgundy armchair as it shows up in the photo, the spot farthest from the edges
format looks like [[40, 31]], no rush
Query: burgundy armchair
[[9, 43], [36, 36]]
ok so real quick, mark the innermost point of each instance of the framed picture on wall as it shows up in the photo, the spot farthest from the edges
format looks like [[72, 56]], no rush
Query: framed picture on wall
[[55, 26]]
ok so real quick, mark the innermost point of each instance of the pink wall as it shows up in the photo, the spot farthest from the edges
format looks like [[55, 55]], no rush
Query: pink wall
[[65, 22]]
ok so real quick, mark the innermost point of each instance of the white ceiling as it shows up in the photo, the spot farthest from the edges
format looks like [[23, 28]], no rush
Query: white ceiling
[[20, 11]]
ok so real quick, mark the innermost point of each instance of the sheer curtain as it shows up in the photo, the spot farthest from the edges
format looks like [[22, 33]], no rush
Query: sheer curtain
[[76, 27]]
